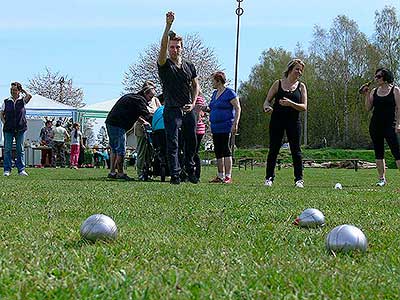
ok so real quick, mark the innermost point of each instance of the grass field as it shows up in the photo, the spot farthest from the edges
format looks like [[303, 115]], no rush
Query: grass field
[[196, 241]]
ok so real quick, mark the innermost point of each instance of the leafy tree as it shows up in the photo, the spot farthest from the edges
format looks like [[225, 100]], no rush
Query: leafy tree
[[102, 137], [340, 61], [88, 132], [254, 122], [194, 50], [57, 87], [387, 38]]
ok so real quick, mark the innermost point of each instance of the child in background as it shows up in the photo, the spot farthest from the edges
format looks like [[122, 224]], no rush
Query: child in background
[[200, 131], [76, 143]]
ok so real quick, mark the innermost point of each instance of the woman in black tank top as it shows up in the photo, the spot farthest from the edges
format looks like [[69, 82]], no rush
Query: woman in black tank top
[[290, 98], [385, 103]]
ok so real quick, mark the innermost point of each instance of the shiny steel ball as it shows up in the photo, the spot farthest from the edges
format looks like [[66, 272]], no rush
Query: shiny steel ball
[[99, 227], [311, 217], [338, 186], [346, 238]]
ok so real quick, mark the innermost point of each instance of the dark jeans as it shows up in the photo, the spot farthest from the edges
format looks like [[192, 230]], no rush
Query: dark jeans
[[174, 120], [58, 151], [277, 128]]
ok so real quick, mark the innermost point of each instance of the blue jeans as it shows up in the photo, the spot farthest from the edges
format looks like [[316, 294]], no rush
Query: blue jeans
[[19, 147], [117, 139], [175, 119]]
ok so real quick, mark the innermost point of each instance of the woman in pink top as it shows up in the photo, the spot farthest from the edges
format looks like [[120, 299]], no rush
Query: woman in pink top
[[200, 131]]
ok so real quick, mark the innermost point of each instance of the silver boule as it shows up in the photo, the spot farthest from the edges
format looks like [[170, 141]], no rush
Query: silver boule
[[338, 186], [311, 217], [346, 238], [99, 227]]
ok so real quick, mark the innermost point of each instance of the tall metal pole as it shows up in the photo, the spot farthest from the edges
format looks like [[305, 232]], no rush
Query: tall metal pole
[[239, 11], [61, 82]]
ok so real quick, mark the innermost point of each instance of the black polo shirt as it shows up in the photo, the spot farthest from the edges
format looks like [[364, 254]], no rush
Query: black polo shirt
[[177, 82], [127, 110]]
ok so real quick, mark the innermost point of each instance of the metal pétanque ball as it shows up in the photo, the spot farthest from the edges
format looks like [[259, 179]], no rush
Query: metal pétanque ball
[[338, 186], [311, 217], [346, 238], [99, 227]]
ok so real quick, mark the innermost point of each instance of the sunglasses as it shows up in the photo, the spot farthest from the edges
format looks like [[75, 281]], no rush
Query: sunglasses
[[379, 76]]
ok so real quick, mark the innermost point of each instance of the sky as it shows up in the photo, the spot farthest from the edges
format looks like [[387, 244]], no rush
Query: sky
[[95, 41]]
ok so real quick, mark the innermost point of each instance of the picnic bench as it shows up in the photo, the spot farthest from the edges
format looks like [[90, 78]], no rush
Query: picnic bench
[[244, 161], [353, 161]]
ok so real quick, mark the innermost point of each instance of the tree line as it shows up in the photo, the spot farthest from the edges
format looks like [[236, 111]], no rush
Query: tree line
[[339, 60]]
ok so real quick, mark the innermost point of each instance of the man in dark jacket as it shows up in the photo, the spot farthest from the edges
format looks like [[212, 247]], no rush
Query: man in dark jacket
[[128, 109]]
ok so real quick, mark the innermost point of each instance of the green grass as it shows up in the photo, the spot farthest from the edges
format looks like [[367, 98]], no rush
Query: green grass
[[196, 241]]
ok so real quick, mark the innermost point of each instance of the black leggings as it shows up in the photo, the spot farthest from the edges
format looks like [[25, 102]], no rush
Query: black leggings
[[277, 127], [378, 135], [221, 145], [196, 157]]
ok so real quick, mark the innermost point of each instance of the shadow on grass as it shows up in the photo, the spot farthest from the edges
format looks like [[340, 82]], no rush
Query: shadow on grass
[[105, 179], [77, 244]]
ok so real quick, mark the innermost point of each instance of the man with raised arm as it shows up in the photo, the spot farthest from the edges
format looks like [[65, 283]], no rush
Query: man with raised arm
[[180, 89]]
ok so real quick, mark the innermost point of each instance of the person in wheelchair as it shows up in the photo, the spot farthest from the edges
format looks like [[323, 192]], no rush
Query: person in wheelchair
[[159, 138], [144, 147]]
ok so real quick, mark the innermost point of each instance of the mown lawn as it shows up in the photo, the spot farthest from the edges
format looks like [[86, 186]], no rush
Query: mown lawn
[[196, 241]]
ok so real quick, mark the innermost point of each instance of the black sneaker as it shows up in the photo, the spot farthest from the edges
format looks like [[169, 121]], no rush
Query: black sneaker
[[175, 180], [193, 179], [143, 177], [112, 176]]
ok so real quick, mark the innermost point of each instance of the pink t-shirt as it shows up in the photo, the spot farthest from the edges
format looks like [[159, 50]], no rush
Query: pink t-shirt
[[201, 126]]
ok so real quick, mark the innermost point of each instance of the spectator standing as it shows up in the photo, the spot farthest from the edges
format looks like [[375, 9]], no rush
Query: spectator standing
[[384, 101], [200, 131], [224, 119], [46, 137], [13, 116], [290, 98], [58, 145], [76, 144]]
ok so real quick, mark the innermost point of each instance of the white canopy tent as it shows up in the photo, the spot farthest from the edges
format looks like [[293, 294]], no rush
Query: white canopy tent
[[40, 106], [37, 108], [100, 110], [96, 110]]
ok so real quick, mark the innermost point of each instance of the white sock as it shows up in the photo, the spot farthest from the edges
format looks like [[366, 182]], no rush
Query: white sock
[[229, 175], [221, 175]]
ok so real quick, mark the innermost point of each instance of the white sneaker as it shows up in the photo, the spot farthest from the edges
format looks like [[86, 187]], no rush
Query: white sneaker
[[381, 182], [268, 182], [7, 173], [299, 184], [23, 173]]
